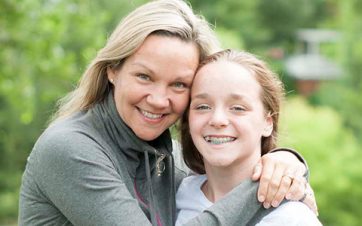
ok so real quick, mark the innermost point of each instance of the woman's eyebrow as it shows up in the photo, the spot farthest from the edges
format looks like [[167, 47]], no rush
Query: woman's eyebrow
[[138, 64]]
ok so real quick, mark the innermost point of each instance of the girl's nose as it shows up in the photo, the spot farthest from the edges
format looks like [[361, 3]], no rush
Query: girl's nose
[[219, 119]]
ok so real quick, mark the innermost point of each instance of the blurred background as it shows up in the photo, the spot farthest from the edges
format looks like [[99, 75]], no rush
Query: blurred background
[[314, 45]]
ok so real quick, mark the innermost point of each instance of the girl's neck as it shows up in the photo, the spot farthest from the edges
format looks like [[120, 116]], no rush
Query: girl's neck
[[221, 180]]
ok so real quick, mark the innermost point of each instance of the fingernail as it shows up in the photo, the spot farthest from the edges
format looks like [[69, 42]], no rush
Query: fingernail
[[266, 205], [261, 198], [275, 203]]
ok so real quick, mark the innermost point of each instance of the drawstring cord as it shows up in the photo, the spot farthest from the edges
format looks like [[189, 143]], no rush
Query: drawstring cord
[[160, 167], [143, 203], [150, 189], [173, 190]]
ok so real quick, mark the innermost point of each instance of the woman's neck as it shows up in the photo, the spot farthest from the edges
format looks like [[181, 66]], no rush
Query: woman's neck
[[221, 180]]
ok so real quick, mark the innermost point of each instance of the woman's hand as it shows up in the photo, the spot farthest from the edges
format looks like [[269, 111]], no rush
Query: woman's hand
[[281, 176]]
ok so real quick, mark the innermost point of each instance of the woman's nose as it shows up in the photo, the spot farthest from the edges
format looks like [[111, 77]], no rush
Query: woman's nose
[[158, 98]]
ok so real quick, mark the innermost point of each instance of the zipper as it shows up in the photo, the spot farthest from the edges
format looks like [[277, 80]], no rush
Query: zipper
[[160, 165]]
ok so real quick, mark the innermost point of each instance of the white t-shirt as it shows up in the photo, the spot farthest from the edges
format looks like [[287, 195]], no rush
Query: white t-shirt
[[191, 201]]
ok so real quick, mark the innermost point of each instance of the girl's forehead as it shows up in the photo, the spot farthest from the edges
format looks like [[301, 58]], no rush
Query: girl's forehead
[[219, 79], [224, 72]]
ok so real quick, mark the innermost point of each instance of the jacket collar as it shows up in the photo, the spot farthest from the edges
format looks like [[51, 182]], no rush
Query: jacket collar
[[124, 140]]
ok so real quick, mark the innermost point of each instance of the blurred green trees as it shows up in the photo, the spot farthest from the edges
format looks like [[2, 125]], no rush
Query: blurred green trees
[[333, 156], [46, 45]]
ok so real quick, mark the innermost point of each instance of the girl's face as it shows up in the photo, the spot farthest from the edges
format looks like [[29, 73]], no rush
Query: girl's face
[[153, 85], [227, 118]]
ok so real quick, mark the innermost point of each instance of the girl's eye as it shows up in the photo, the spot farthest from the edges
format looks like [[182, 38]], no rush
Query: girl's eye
[[144, 77], [202, 107], [238, 108]]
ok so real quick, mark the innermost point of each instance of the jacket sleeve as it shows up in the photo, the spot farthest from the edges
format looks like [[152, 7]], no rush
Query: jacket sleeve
[[238, 207], [291, 213], [78, 179], [298, 155]]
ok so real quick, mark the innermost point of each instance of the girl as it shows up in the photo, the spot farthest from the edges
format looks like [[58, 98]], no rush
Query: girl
[[231, 122]]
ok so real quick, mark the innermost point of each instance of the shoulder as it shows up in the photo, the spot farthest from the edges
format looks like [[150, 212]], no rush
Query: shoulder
[[189, 186], [192, 182], [67, 146], [190, 200], [66, 137], [291, 213], [190, 190]]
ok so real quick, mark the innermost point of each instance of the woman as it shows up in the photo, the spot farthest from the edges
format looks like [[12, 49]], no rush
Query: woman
[[231, 122], [106, 158]]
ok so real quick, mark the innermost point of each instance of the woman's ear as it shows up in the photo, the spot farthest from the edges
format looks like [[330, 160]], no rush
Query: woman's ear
[[111, 74], [268, 128]]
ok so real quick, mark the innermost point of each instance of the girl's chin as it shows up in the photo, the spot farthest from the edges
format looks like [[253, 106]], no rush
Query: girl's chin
[[222, 163]]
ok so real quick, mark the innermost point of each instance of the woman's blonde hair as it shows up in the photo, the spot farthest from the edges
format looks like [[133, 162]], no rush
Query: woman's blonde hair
[[161, 17], [272, 95]]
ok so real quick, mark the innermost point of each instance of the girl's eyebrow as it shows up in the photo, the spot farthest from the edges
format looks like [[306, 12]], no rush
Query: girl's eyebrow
[[205, 95], [200, 96], [237, 96]]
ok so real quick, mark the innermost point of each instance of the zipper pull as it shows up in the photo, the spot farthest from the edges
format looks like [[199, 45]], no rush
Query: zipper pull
[[160, 165]]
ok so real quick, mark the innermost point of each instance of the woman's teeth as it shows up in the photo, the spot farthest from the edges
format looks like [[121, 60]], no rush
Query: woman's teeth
[[151, 115]]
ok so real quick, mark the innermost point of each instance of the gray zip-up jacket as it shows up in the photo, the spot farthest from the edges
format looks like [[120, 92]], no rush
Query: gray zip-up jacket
[[91, 169]]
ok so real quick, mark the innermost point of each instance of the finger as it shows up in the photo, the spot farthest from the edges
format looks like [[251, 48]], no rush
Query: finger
[[266, 174], [310, 200], [274, 184], [282, 191], [257, 171], [300, 170], [297, 189]]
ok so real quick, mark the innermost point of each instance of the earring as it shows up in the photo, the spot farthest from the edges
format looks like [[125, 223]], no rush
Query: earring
[[112, 80]]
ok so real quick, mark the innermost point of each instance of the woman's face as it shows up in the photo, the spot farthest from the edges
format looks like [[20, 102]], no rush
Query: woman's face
[[153, 85], [227, 118]]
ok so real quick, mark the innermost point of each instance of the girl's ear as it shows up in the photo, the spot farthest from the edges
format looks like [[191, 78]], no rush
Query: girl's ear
[[268, 128]]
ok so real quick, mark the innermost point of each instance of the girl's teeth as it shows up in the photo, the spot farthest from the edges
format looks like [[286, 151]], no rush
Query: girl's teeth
[[151, 115], [219, 140]]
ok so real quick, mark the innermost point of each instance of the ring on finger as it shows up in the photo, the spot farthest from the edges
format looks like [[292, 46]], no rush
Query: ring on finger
[[291, 177]]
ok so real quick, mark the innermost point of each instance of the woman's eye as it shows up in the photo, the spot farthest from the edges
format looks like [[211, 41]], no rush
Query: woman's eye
[[179, 85], [144, 77]]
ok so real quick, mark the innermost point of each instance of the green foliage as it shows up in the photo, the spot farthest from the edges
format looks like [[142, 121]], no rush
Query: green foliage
[[9, 187], [344, 95], [46, 45], [239, 16], [300, 13], [229, 39], [333, 155]]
